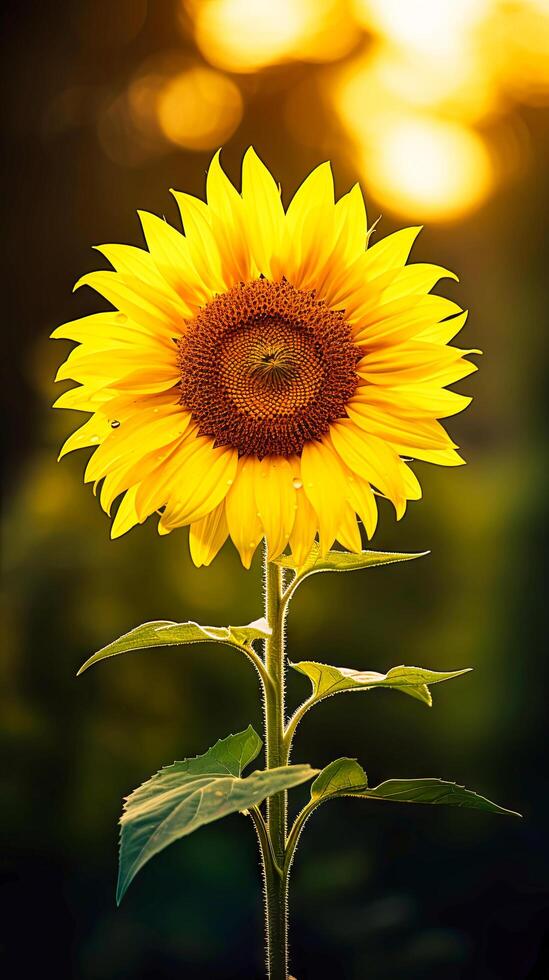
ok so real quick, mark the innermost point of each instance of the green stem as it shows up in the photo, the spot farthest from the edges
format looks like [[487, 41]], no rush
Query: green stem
[[275, 883]]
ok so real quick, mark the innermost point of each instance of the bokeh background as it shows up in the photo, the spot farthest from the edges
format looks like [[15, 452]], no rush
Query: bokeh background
[[440, 109]]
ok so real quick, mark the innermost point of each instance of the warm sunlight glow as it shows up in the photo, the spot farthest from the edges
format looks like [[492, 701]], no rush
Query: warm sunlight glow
[[199, 108], [243, 35], [524, 33], [424, 25], [426, 169], [390, 79]]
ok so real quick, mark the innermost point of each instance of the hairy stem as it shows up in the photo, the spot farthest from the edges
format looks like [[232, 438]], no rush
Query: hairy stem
[[275, 882]]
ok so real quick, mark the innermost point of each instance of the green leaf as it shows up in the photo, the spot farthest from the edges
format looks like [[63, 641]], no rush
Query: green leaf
[[343, 561], [339, 776], [327, 680], [189, 794], [436, 791], [163, 633], [345, 777]]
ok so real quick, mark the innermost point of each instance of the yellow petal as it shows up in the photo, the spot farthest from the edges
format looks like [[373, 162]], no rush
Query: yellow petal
[[424, 433], [443, 333], [362, 499], [371, 458], [200, 237], [263, 210], [351, 224], [317, 190], [134, 438], [170, 253], [411, 482], [325, 486], [136, 263], [413, 401], [206, 477], [227, 219], [275, 499], [158, 364], [309, 236], [92, 433], [442, 457], [138, 301], [414, 361], [101, 330], [348, 532], [306, 522], [390, 252], [84, 398], [126, 516], [207, 536], [245, 526], [401, 320]]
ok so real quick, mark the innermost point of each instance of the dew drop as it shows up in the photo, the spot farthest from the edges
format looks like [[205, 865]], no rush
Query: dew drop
[[297, 484], [115, 424], [94, 438], [230, 483]]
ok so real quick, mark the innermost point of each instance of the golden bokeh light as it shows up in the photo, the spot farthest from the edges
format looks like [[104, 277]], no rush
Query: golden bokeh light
[[426, 169], [427, 26], [523, 33], [388, 79], [199, 108], [247, 35], [244, 35]]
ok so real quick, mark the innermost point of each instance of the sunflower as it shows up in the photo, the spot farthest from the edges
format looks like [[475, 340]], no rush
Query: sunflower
[[266, 374]]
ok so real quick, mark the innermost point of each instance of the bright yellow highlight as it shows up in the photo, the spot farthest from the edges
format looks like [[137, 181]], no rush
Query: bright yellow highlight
[[373, 386], [427, 26], [428, 166], [199, 108], [246, 35]]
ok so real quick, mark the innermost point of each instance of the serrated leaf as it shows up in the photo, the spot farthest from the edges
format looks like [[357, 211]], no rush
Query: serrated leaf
[[186, 795], [327, 680], [162, 633], [344, 561], [339, 776], [434, 791]]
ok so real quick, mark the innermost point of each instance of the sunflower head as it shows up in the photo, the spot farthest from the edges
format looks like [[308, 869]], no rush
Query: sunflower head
[[265, 374]]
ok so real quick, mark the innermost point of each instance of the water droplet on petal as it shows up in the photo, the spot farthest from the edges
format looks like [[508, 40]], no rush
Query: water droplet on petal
[[297, 484], [115, 424], [94, 438], [230, 483]]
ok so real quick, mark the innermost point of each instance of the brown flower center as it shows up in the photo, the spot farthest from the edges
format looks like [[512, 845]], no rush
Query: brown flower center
[[266, 367]]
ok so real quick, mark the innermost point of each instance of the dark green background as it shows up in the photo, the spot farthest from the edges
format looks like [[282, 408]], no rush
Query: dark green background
[[378, 891]]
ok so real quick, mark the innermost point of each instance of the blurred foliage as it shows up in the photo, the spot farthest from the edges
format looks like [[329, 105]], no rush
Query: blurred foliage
[[107, 106]]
